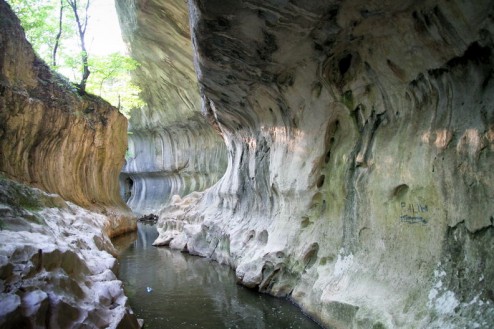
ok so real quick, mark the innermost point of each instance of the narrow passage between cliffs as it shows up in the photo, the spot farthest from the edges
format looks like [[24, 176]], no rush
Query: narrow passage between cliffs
[[170, 289]]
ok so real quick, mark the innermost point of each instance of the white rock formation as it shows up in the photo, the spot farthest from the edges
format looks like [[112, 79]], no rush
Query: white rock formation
[[360, 140], [56, 270], [170, 160], [172, 148]]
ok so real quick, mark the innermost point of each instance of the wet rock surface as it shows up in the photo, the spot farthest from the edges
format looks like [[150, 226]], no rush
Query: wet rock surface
[[56, 264], [148, 218], [360, 154]]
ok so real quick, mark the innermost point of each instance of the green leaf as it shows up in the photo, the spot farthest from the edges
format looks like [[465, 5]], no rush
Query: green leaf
[[110, 75]]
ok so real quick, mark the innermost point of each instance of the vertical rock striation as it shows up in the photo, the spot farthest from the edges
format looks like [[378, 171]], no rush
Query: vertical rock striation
[[172, 148], [360, 141], [55, 139], [56, 262]]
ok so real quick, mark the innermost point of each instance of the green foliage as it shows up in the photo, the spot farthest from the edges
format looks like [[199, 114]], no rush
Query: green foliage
[[38, 22], [110, 74], [110, 79]]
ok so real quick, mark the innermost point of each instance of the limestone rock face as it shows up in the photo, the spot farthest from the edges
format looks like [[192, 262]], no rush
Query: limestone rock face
[[171, 161], [56, 270], [157, 33], [56, 262], [360, 141], [54, 139], [172, 147]]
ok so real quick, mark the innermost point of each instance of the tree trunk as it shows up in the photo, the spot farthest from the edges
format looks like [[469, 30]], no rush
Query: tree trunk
[[81, 29], [59, 34]]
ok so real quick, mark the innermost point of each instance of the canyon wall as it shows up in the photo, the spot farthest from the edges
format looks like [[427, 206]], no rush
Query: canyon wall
[[360, 139], [172, 147], [55, 139], [57, 264]]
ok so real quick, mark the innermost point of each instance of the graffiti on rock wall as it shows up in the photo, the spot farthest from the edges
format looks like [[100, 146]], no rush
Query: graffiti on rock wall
[[413, 213]]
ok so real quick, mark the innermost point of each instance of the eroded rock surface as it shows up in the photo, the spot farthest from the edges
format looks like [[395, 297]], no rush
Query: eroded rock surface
[[360, 142], [172, 148], [173, 160], [56, 266], [55, 139], [56, 263]]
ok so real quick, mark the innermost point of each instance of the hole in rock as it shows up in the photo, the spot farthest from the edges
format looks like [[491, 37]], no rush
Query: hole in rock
[[250, 236], [128, 186], [328, 157], [310, 255], [316, 199], [318, 47], [263, 237], [305, 222], [223, 22], [400, 190], [320, 181], [345, 63]]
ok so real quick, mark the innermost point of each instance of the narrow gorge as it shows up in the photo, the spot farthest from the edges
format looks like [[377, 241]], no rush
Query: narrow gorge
[[337, 153], [173, 149], [360, 146]]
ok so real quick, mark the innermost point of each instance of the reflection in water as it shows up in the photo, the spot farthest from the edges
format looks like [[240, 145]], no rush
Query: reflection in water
[[193, 292]]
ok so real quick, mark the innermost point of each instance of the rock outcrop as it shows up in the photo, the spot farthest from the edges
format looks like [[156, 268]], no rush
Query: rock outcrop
[[56, 263], [56, 270], [360, 141], [172, 147], [55, 139]]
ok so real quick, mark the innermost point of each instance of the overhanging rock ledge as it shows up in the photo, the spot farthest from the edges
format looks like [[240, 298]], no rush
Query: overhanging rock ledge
[[360, 142]]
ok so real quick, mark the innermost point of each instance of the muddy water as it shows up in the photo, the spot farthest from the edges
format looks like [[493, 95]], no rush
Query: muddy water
[[169, 289]]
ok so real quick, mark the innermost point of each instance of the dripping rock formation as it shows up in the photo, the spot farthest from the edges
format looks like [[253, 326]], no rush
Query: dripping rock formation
[[360, 142], [56, 259], [173, 150]]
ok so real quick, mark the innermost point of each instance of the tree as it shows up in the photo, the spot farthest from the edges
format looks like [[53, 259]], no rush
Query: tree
[[59, 34], [81, 19], [51, 27], [110, 79], [38, 22], [44, 28]]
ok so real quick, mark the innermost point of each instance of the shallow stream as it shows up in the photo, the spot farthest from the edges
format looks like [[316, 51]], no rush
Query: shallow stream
[[170, 289]]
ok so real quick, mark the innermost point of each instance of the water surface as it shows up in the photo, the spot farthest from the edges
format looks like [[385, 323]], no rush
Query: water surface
[[170, 289]]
